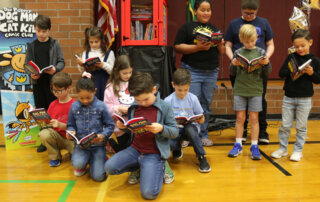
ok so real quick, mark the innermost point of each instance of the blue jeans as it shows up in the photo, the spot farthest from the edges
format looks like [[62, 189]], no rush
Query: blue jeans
[[299, 107], [95, 156], [203, 83], [151, 169], [189, 132]]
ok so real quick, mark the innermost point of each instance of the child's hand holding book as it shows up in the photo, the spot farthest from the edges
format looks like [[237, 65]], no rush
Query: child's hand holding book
[[154, 128], [308, 70], [68, 136], [98, 139], [264, 61]]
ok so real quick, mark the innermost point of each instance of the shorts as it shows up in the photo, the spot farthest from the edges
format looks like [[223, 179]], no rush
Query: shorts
[[241, 102]]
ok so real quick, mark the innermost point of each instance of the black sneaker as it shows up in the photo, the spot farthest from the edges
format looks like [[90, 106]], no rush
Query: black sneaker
[[204, 166], [177, 154], [244, 135], [263, 138], [41, 148]]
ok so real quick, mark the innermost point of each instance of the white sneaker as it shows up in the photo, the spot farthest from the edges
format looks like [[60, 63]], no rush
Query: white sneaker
[[279, 153], [79, 172], [296, 156]]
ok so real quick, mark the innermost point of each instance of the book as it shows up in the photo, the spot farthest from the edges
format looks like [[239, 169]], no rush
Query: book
[[90, 63], [84, 142], [33, 68], [214, 38], [185, 120], [41, 117], [296, 71], [249, 65], [136, 125]]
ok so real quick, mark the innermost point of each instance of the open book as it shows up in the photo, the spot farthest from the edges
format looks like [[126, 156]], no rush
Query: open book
[[249, 65], [215, 38], [185, 120], [84, 142], [136, 125], [296, 71], [33, 68], [89, 64], [41, 117]]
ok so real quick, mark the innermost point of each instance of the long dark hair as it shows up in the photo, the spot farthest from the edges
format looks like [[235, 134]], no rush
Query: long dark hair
[[199, 2], [95, 32], [122, 62]]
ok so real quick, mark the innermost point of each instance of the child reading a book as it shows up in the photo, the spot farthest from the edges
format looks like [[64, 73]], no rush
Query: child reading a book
[[201, 59], [148, 151], [249, 15], [118, 99], [44, 51], [88, 115], [54, 139], [248, 89], [186, 104], [298, 93], [95, 47]]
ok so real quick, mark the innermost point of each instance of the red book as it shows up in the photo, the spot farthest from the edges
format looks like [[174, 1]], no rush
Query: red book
[[185, 120], [249, 65], [41, 117], [84, 142], [33, 68], [136, 125]]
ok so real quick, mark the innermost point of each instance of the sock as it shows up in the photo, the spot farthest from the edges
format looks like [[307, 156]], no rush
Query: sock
[[254, 142], [239, 140]]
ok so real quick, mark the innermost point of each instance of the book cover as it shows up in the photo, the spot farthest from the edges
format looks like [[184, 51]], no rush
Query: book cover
[[185, 120], [90, 63], [295, 69], [216, 38], [249, 65], [41, 117], [84, 142], [33, 68], [136, 125], [19, 129]]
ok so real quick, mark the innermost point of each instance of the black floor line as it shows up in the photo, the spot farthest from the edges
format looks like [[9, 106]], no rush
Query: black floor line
[[284, 171]]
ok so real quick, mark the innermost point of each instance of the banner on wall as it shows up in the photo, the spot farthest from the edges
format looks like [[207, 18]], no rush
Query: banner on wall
[[16, 30], [20, 130]]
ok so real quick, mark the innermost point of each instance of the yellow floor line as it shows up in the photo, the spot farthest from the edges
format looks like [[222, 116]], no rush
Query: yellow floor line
[[102, 190]]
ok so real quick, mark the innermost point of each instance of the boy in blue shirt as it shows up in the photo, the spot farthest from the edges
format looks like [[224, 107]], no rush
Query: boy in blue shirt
[[187, 104]]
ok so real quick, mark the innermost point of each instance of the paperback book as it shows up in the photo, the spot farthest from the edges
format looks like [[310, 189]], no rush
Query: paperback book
[[84, 142], [249, 65], [136, 125], [186, 120], [41, 117], [89, 64], [214, 38], [33, 68], [295, 69]]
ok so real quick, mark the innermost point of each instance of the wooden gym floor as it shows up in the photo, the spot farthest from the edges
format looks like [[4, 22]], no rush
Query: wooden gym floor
[[26, 176]]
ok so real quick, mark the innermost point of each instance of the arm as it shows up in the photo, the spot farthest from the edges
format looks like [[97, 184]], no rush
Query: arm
[[284, 71], [192, 48], [229, 52], [222, 48], [108, 65], [60, 59], [315, 76], [71, 124], [170, 128], [269, 48], [108, 123]]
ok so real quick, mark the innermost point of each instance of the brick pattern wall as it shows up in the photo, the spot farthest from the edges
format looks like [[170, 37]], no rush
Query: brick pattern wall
[[222, 103], [69, 18]]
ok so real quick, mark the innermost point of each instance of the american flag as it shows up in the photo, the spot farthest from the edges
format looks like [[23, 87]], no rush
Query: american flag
[[107, 19]]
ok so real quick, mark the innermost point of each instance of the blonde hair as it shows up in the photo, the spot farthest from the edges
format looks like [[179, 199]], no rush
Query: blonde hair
[[247, 31]]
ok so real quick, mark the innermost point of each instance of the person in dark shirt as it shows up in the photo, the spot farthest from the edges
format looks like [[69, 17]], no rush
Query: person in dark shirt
[[298, 93], [44, 51]]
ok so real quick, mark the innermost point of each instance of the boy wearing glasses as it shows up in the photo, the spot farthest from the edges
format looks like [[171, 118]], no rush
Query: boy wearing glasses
[[249, 9], [54, 139]]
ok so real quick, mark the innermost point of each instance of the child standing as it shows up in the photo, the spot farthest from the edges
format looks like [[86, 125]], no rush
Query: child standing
[[148, 151], [248, 89], [54, 139], [95, 46], [201, 59], [298, 93], [118, 99], [87, 115], [44, 51], [186, 104]]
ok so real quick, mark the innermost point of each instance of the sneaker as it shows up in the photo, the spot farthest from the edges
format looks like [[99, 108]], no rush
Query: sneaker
[[296, 156], [204, 166], [177, 154], [134, 177], [236, 150], [185, 143], [279, 153], [41, 148], [168, 174], [54, 163], [244, 135], [255, 153], [263, 138], [79, 172], [206, 142]]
